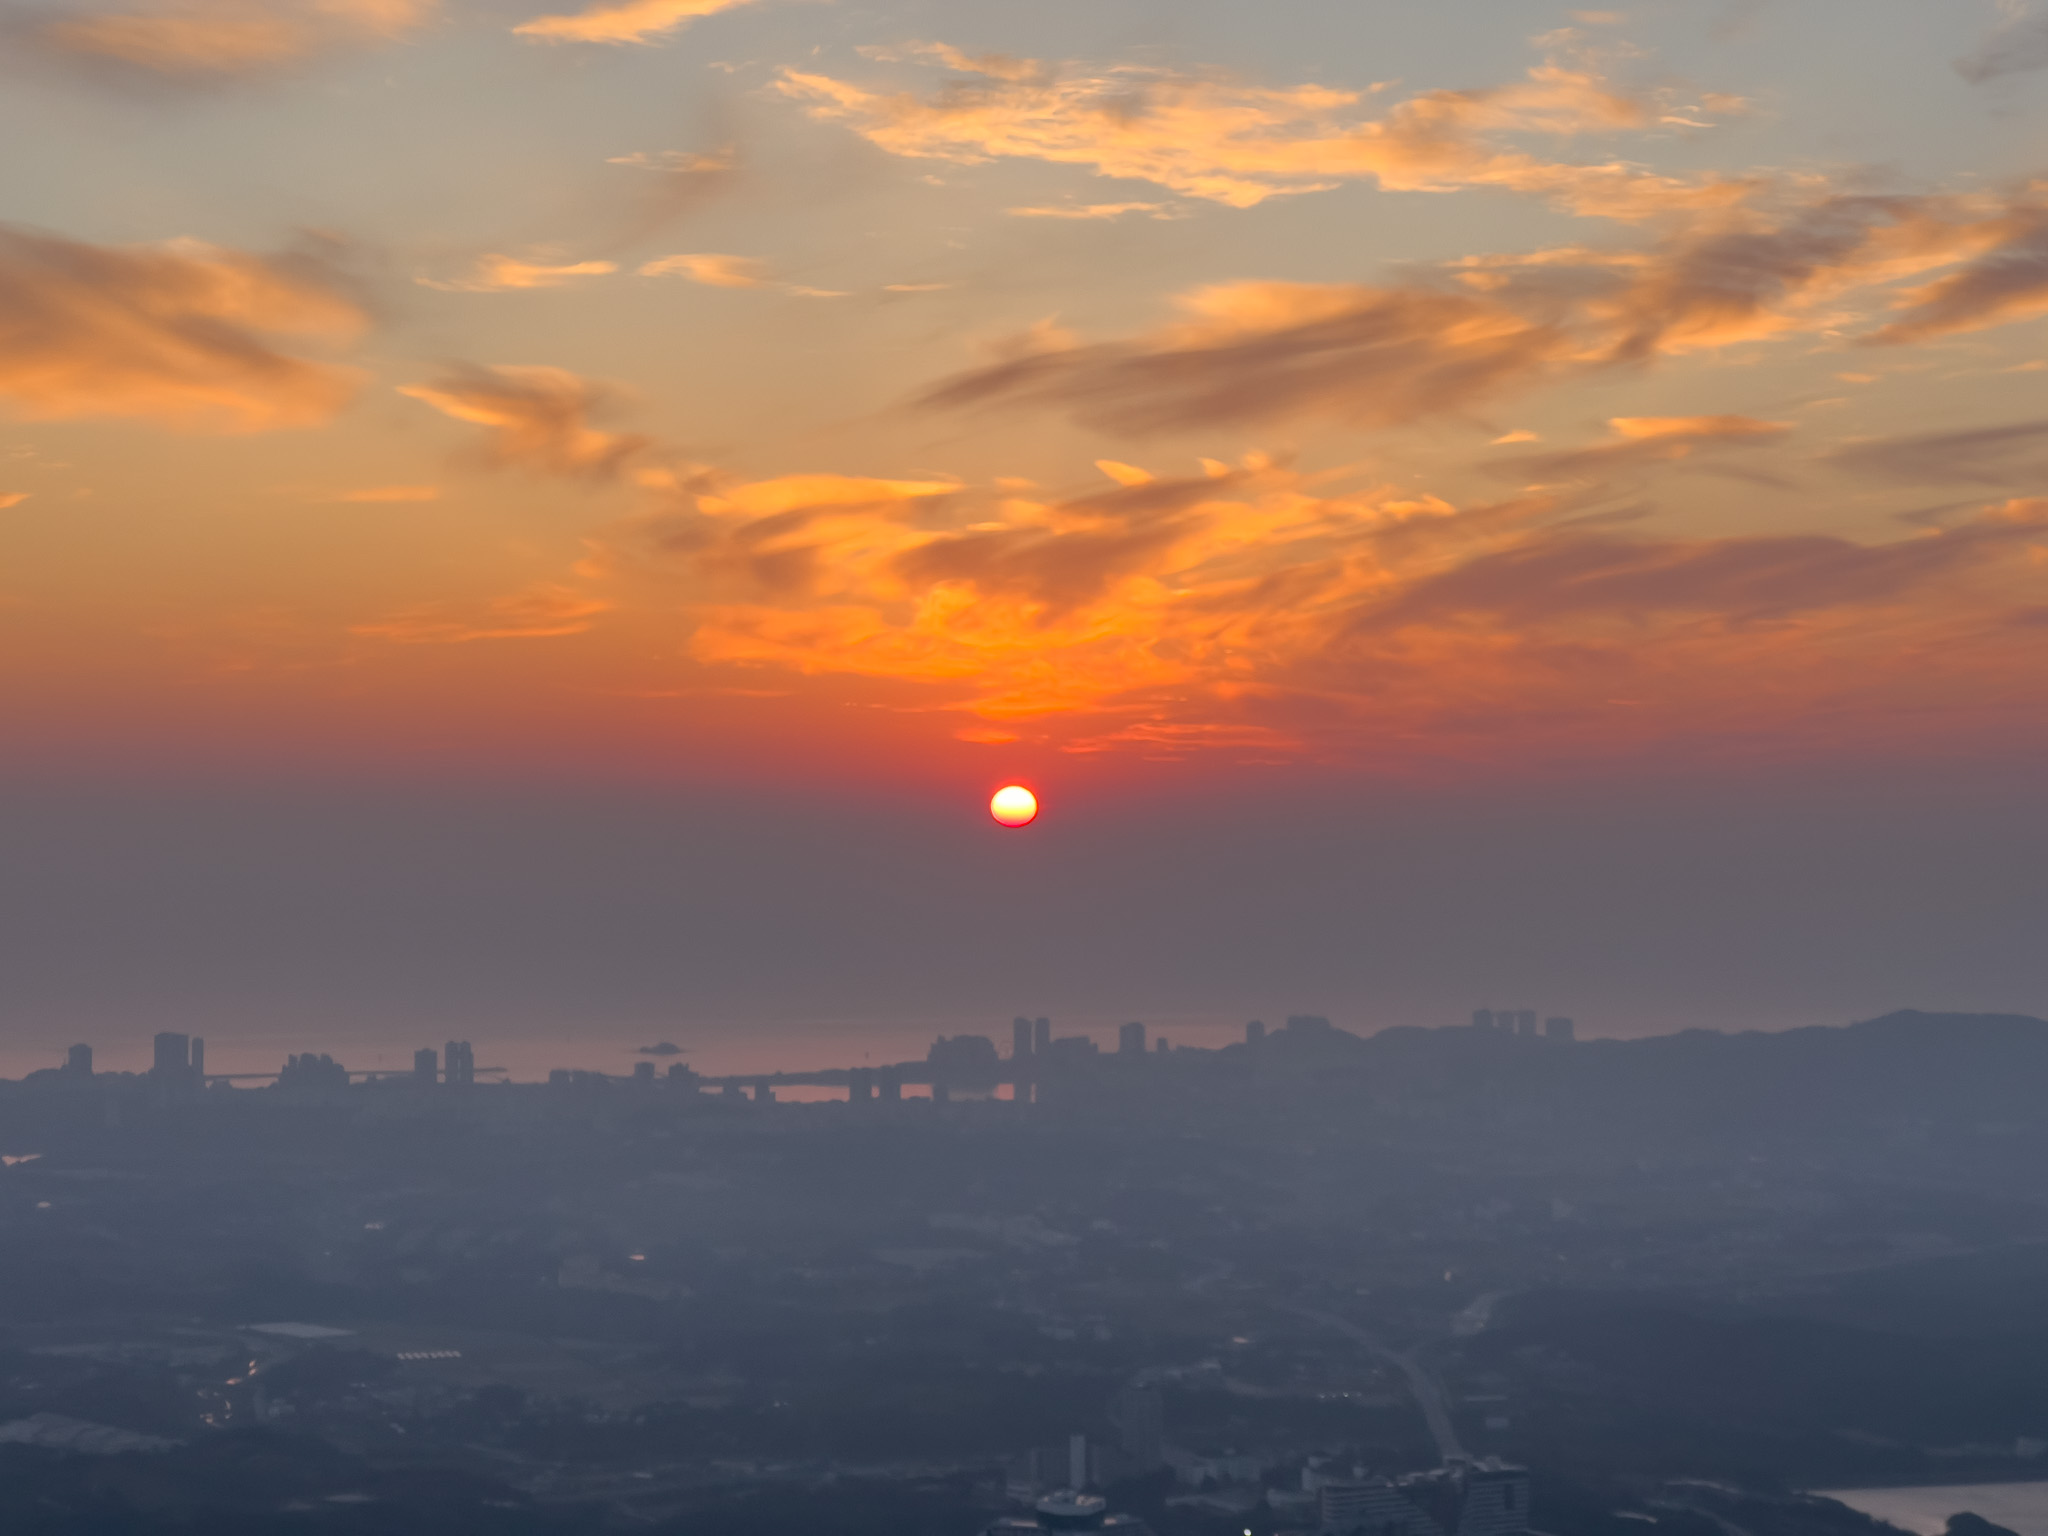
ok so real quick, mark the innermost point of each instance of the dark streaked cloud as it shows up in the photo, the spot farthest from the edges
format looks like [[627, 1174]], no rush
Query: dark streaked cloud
[[2015, 454], [2019, 44], [539, 418], [181, 333]]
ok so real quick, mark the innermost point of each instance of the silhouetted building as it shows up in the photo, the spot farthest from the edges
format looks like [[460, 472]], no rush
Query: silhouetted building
[[173, 1056], [1482, 1018], [458, 1064], [1020, 1039], [310, 1073], [964, 1061], [1041, 1036], [643, 1071], [178, 1060], [1254, 1032], [1557, 1029], [1161, 1046], [1130, 1039], [1525, 1023], [78, 1061], [426, 1066]]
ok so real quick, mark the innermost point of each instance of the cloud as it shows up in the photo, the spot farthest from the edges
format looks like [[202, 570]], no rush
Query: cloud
[[539, 612], [1447, 339], [12, 499], [1640, 441], [712, 270], [500, 274], [1254, 352], [677, 162], [200, 38], [716, 271], [2015, 453], [625, 21], [538, 417], [182, 334], [1094, 211], [2008, 282], [1249, 610], [2017, 45], [1232, 142]]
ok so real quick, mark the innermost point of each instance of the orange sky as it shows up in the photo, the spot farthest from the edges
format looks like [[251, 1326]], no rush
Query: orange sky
[[706, 386]]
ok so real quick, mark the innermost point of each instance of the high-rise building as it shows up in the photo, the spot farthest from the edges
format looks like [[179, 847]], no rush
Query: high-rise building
[[1162, 1046], [459, 1064], [79, 1060], [426, 1065], [1255, 1032], [643, 1071], [1041, 1036], [1020, 1039], [196, 1058], [1130, 1039], [1557, 1029], [1525, 1023], [173, 1059], [1482, 1018]]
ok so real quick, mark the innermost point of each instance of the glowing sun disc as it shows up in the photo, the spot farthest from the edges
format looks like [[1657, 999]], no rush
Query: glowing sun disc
[[1014, 806]]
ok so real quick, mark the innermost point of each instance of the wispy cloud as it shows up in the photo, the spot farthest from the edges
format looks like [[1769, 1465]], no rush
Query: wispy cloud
[[1229, 141], [182, 334], [539, 612], [718, 271], [2017, 45], [623, 21], [538, 418], [200, 38], [713, 270], [12, 499], [1641, 441], [502, 274], [1095, 211], [1446, 339], [1245, 608]]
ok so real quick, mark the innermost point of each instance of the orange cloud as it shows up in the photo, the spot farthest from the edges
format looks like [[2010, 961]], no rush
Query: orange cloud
[[196, 38], [538, 417], [1230, 142], [499, 274], [1641, 441], [1247, 611], [539, 612], [180, 334], [1449, 339], [12, 499], [712, 270], [624, 21]]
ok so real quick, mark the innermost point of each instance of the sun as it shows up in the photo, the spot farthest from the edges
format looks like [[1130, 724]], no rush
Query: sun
[[1014, 806]]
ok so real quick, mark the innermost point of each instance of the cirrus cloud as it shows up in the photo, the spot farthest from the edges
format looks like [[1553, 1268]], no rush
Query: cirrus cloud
[[183, 334], [1232, 142], [538, 417], [623, 21], [195, 39]]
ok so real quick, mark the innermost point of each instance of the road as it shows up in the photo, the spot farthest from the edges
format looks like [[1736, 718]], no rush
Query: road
[[1427, 1391]]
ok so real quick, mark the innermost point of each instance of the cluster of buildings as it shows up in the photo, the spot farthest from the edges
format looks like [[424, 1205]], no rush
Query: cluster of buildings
[[1520, 1021], [1062, 1485]]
